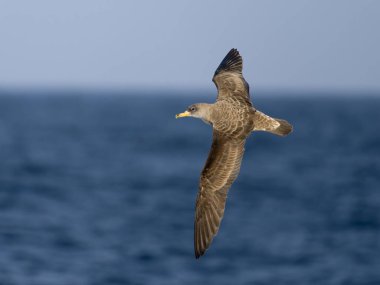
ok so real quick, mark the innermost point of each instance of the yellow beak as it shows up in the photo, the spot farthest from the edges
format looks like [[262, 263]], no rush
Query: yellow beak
[[184, 114]]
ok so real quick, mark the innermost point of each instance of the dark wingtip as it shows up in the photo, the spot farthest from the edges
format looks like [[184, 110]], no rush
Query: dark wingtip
[[232, 62], [198, 254]]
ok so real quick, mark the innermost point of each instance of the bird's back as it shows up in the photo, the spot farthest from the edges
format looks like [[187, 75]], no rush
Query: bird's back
[[233, 118]]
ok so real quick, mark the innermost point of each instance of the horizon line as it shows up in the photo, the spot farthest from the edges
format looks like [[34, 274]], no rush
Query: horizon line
[[173, 90]]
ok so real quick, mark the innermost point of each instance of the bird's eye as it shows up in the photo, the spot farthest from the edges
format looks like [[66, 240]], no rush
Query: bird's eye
[[192, 109]]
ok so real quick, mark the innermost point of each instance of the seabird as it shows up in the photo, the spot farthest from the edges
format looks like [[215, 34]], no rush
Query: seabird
[[233, 118]]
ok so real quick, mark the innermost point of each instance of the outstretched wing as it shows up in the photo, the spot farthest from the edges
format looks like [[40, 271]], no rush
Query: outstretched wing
[[221, 169], [229, 79]]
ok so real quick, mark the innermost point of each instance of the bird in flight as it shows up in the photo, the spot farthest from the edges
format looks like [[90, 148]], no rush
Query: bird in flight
[[233, 118]]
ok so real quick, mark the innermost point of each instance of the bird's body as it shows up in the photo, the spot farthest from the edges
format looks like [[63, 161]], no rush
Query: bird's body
[[233, 119]]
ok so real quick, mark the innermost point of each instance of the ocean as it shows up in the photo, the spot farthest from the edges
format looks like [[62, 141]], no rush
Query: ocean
[[100, 189]]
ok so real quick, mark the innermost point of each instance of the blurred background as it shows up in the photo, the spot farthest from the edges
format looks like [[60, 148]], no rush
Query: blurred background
[[98, 180]]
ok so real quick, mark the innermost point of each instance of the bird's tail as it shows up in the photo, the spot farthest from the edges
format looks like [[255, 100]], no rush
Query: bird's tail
[[283, 129], [275, 126]]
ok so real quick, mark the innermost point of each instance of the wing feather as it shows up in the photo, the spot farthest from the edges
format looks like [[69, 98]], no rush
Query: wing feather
[[220, 171], [229, 79]]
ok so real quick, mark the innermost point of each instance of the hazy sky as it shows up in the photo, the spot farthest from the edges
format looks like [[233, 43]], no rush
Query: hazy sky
[[285, 44]]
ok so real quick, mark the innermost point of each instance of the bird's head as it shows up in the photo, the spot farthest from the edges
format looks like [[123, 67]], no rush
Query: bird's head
[[201, 111]]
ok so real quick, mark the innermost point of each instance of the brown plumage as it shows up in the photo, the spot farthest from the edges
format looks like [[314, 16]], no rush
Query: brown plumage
[[233, 119]]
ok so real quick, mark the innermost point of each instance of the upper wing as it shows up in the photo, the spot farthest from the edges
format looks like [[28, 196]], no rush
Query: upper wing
[[229, 79], [221, 169]]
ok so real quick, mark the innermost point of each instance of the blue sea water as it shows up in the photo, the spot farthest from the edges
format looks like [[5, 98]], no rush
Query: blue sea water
[[100, 189]]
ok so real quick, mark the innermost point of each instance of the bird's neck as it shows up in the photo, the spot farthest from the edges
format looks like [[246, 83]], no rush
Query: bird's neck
[[206, 113]]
